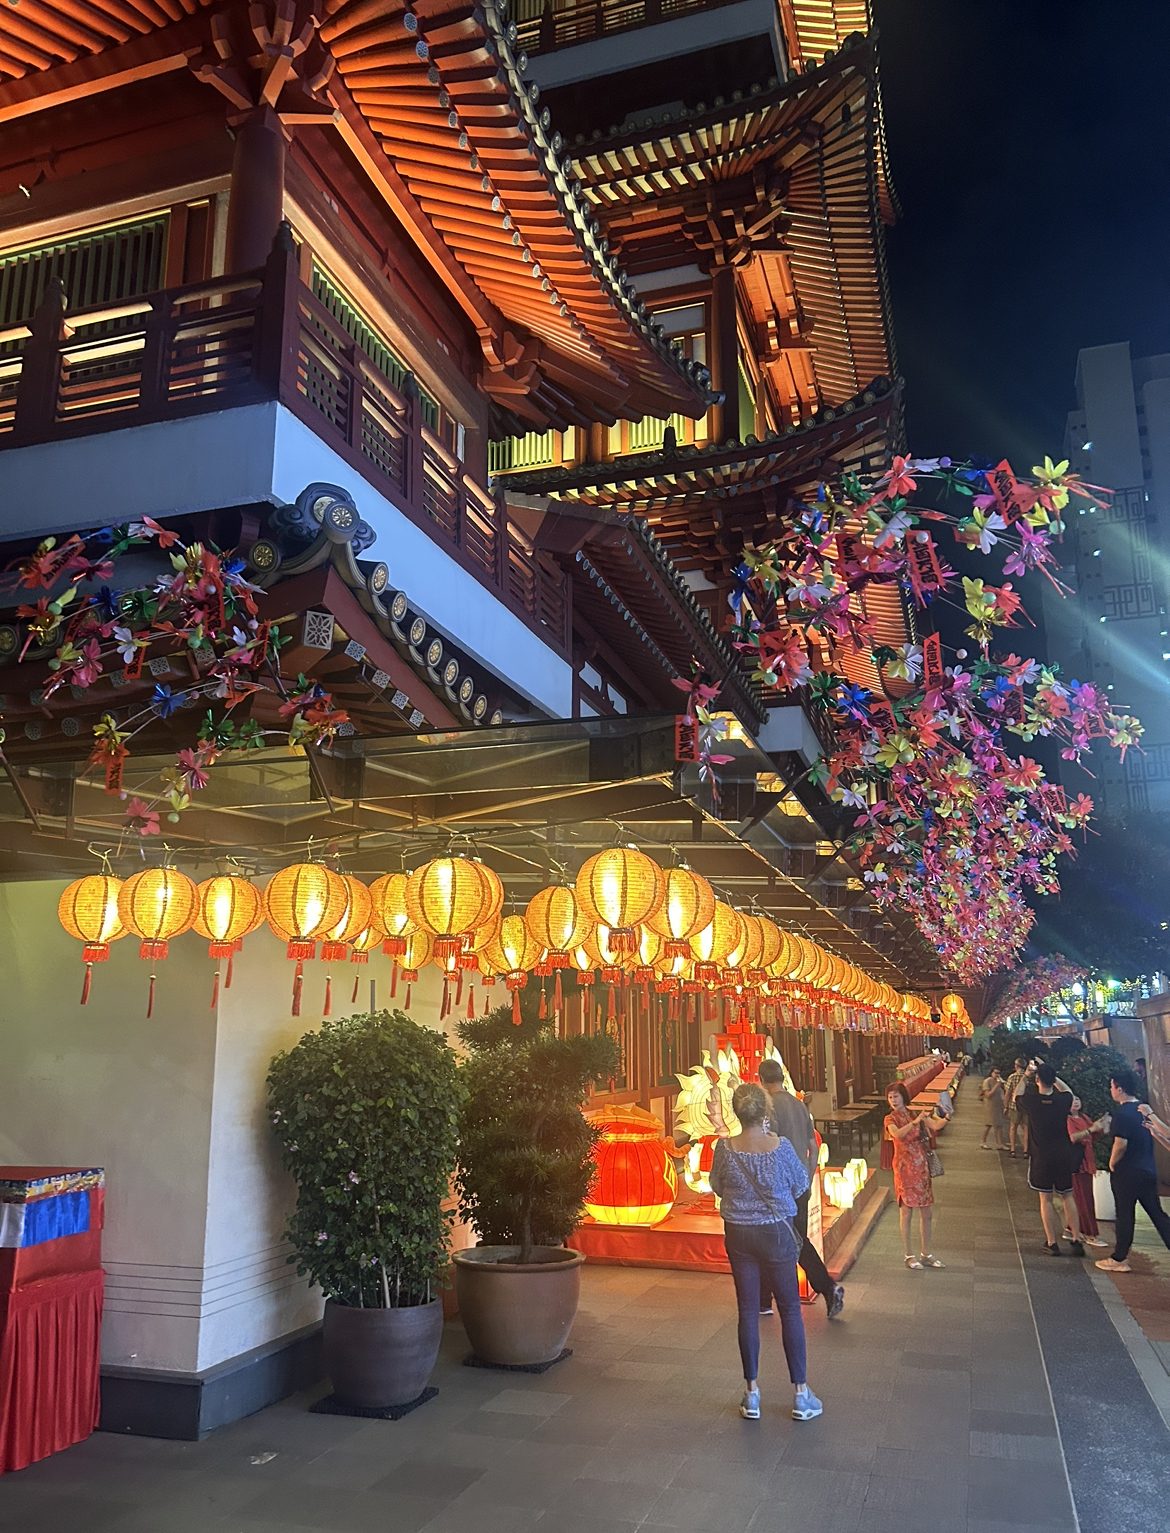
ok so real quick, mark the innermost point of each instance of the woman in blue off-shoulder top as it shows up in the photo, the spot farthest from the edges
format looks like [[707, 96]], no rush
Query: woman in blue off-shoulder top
[[758, 1178]]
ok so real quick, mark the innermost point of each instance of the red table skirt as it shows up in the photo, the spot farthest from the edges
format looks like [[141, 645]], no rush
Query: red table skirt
[[49, 1357]]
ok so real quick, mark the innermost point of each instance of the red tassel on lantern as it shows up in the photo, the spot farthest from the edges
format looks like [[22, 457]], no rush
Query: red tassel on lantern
[[542, 1011], [150, 998], [516, 1007], [328, 1011], [353, 997], [407, 1005], [298, 986], [558, 997], [471, 1003], [394, 983]]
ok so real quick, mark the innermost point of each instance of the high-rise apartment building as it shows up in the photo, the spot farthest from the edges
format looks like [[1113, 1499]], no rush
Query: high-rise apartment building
[[1114, 631]]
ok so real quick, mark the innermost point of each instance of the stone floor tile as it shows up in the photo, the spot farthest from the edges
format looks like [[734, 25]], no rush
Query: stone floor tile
[[1032, 1493], [483, 1517], [320, 1507], [1012, 1445], [621, 1501], [700, 1510], [417, 1477], [526, 1402], [630, 1466]]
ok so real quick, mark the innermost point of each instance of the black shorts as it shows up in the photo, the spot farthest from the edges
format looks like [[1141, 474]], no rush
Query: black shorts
[[1050, 1172]]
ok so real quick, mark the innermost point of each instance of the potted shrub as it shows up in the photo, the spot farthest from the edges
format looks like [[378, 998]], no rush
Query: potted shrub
[[366, 1111], [525, 1167]]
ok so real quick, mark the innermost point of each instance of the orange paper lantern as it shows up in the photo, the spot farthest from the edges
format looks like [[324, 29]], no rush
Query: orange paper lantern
[[620, 888], [229, 909], [635, 1182], [556, 920], [302, 903], [513, 952], [714, 945], [156, 905], [688, 905], [355, 918], [451, 897], [88, 910], [388, 897]]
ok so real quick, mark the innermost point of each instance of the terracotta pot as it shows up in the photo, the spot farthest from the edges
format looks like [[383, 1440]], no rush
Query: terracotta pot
[[381, 1356], [517, 1314]]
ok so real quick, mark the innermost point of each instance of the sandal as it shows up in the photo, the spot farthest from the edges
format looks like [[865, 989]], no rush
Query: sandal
[[930, 1261], [914, 1264]]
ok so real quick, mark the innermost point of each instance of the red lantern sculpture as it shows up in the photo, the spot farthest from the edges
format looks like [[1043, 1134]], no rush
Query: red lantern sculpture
[[635, 1182]]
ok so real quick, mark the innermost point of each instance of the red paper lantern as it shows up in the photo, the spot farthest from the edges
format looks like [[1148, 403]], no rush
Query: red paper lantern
[[635, 1183]]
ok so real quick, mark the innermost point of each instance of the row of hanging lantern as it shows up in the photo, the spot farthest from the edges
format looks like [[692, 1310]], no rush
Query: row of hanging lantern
[[624, 919]]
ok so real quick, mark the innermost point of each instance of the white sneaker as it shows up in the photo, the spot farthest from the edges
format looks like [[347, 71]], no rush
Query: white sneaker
[[749, 1406], [806, 1406]]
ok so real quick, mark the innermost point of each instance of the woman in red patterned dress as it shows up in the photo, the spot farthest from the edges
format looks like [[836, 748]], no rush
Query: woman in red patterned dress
[[912, 1186]]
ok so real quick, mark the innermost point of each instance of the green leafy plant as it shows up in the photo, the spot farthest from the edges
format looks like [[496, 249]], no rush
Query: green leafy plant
[[366, 1111], [1088, 1073], [525, 1150], [1006, 1046], [1064, 1048]]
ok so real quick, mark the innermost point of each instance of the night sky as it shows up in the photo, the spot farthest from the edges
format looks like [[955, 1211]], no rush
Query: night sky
[[1030, 149]]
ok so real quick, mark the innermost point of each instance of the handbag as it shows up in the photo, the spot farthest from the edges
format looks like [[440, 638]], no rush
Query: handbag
[[933, 1162]]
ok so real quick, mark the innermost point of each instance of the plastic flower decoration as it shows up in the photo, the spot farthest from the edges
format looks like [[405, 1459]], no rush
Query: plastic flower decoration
[[951, 825]]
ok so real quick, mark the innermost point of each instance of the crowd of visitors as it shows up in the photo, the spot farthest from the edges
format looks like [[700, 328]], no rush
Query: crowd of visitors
[[763, 1176]]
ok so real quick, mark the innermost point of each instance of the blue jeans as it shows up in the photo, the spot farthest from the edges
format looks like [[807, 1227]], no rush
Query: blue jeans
[[763, 1258]]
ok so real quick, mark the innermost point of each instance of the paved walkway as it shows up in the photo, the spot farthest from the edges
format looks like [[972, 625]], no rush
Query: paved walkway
[[938, 1418]]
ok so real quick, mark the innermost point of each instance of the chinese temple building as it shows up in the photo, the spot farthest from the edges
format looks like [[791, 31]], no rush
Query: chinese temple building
[[486, 345]]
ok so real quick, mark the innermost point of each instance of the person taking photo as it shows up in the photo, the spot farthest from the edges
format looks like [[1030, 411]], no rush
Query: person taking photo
[[1050, 1152]]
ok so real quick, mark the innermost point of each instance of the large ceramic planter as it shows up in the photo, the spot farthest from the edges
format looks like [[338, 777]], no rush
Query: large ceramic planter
[[377, 1357], [1103, 1205], [517, 1314]]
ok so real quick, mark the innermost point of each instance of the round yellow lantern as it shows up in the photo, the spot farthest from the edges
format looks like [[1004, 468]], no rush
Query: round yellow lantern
[[620, 888], [355, 918], [513, 952], [302, 903], [688, 905], [88, 910], [359, 952], [388, 898], [715, 944], [557, 922], [156, 905], [229, 909], [451, 897], [771, 943], [419, 948]]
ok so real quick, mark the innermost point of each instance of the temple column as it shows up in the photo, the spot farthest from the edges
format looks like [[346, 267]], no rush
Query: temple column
[[256, 205], [724, 353]]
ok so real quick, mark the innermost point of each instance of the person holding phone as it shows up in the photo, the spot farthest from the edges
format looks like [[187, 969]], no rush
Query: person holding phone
[[1050, 1152], [911, 1136]]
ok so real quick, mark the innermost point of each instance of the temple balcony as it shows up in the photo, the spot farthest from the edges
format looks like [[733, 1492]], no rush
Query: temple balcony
[[241, 391]]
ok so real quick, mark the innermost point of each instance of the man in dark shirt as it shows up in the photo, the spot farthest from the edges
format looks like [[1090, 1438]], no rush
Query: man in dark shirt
[[1133, 1174], [790, 1119], [1050, 1152]]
